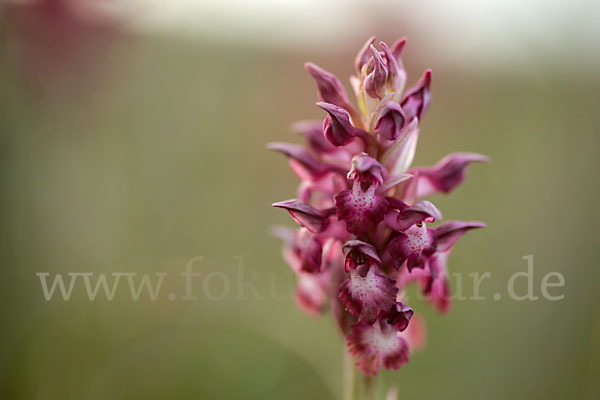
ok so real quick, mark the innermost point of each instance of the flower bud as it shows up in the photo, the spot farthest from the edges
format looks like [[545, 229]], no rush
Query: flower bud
[[330, 88], [337, 126], [416, 100], [390, 122], [397, 73], [376, 79], [363, 55]]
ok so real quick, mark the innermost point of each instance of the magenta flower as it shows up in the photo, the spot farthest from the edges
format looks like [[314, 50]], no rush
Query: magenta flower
[[365, 230]]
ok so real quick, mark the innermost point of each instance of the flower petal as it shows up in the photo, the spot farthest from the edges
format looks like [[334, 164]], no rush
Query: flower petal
[[447, 234], [313, 132], [415, 334], [311, 257], [393, 181], [446, 175], [438, 287], [397, 49], [398, 158], [306, 215], [416, 99], [311, 295], [285, 234], [330, 88], [364, 54], [304, 164], [433, 282], [302, 249]]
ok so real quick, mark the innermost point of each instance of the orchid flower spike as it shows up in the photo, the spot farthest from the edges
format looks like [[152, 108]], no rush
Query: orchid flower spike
[[364, 230]]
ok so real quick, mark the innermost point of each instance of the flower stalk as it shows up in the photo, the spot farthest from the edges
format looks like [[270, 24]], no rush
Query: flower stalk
[[350, 378]]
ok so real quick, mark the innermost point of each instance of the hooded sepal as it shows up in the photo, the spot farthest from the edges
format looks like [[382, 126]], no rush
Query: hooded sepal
[[357, 253], [400, 216]]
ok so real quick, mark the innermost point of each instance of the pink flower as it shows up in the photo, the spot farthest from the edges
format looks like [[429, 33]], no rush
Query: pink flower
[[380, 342], [362, 207], [365, 232], [432, 272]]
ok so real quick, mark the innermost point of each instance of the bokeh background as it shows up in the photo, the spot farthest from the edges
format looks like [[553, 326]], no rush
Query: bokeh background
[[133, 139]]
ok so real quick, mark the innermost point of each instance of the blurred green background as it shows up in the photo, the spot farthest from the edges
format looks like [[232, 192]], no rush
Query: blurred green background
[[142, 151]]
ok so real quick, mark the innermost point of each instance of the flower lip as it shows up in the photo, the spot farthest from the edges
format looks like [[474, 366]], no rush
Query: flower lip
[[375, 347], [367, 292]]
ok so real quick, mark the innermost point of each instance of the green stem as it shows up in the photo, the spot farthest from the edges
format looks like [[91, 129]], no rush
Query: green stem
[[369, 388], [349, 377]]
